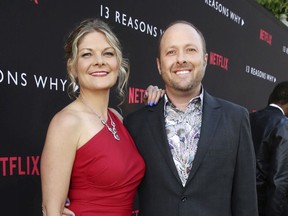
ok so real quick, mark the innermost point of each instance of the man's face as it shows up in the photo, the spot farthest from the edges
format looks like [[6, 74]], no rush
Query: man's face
[[182, 62]]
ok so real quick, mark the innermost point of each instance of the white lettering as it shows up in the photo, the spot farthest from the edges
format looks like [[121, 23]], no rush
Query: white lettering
[[117, 17], [39, 81], [260, 74], [225, 11], [235, 17], [53, 83], [15, 78], [135, 24], [23, 78], [2, 76], [63, 82]]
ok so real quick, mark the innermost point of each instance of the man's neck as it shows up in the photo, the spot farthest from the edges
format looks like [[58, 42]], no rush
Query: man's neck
[[181, 99]]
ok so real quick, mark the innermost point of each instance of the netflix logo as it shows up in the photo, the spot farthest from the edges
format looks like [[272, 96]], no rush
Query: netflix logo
[[219, 60], [19, 165], [135, 95], [265, 36]]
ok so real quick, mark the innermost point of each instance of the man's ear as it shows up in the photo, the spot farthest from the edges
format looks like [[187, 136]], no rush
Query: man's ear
[[158, 65], [205, 60], [285, 109]]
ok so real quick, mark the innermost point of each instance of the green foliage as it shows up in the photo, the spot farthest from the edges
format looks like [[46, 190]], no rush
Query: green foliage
[[276, 7]]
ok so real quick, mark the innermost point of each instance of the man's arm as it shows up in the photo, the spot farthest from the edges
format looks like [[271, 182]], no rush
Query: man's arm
[[244, 201], [277, 186]]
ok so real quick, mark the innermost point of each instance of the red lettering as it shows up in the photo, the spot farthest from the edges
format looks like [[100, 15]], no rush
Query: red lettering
[[12, 164], [135, 213], [4, 160], [136, 95], [131, 95], [219, 60], [212, 59], [270, 39], [262, 32], [35, 167], [265, 36], [20, 171], [28, 165], [16, 165], [225, 63]]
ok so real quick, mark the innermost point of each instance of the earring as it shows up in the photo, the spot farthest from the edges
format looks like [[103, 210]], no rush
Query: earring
[[75, 87], [75, 84]]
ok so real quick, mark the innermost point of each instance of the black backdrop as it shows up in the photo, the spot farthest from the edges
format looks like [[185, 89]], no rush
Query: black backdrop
[[248, 55]]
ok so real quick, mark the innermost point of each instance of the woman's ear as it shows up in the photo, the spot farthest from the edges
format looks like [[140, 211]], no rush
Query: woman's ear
[[71, 68]]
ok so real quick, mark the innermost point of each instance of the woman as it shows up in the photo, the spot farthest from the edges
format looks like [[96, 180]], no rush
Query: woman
[[88, 154]]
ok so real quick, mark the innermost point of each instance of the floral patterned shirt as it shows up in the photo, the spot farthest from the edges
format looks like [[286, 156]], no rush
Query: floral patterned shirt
[[183, 133]]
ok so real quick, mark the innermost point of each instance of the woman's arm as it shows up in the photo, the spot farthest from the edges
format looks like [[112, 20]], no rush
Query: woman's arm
[[57, 162]]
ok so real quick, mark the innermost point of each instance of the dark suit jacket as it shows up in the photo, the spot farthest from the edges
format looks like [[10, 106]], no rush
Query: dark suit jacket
[[270, 136], [222, 179]]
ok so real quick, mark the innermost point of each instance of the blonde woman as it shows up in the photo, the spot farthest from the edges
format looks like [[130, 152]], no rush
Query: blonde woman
[[88, 154]]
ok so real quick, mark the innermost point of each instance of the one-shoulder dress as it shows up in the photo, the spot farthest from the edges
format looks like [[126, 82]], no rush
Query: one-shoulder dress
[[106, 174]]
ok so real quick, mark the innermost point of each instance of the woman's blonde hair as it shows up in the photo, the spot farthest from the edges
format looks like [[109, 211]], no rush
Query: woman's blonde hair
[[71, 51]]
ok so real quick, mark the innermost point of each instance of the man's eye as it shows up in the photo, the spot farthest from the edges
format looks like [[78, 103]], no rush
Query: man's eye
[[191, 49], [170, 52]]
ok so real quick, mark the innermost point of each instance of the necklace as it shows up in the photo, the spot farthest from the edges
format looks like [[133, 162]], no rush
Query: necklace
[[113, 130]]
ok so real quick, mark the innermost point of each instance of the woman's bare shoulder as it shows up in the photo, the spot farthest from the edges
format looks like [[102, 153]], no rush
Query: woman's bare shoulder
[[66, 122], [116, 113]]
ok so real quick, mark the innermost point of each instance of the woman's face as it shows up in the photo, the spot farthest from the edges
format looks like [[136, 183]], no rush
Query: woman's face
[[96, 66]]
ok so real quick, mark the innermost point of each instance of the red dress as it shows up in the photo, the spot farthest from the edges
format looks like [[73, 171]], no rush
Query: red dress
[[106, 174]]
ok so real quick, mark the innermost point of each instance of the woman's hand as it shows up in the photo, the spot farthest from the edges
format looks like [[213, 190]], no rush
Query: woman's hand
[[66, 211], [152, 95]]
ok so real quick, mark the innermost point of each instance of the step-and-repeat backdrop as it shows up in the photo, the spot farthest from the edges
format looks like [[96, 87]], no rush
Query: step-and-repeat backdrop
[[248, 55]]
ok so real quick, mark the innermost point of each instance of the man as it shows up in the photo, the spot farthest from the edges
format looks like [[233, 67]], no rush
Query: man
[[270, 137], [197, 148]]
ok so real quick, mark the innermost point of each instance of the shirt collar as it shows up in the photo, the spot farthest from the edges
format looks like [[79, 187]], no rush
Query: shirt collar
[[168, 102], [275, 105]]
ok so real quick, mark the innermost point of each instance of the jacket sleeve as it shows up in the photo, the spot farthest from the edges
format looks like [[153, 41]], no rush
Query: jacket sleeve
[[277, 185], [244, 198]]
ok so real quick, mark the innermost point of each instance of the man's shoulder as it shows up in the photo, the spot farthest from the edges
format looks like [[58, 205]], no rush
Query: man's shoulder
[[268, 112], [223, 104], [269, 117]]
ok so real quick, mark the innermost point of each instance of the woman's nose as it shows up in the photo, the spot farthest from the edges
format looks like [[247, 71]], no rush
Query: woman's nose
[[98, 60]]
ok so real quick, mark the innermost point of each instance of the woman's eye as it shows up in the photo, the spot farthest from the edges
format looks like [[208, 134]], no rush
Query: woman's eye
[[86, 54], [109, 54]]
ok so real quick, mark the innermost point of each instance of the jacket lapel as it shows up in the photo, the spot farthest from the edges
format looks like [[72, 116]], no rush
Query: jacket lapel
[[210, 121], [156, 124]]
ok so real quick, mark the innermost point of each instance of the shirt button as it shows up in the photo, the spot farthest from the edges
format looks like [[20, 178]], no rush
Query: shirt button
[[183, 199]]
